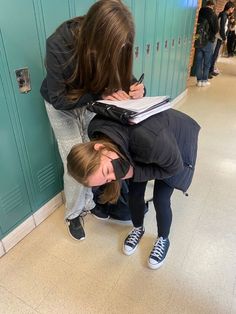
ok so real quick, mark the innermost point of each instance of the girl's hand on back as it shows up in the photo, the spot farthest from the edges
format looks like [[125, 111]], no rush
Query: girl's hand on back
[[118, 95]]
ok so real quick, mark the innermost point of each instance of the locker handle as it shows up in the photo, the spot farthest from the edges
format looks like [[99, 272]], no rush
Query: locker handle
[[23, 80], [158, 46], [148, 49], [166, 43], [136, 52]]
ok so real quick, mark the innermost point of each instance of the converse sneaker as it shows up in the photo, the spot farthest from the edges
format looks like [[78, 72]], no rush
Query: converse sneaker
[[132, 240], [75, 229], [158, 254], [199, 84]]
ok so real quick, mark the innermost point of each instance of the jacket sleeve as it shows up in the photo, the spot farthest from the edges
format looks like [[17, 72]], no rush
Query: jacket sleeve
[[213, 22], [223, 20], [56, 81], [160, 161]]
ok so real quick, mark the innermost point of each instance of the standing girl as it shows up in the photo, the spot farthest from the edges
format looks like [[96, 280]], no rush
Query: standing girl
[[87, 58]]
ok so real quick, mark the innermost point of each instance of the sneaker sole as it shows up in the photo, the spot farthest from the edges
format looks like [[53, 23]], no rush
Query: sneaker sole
[[99, 218], [155, 266], [121, 222]]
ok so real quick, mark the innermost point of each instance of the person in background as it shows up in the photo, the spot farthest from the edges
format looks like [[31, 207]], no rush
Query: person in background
[[87, 58], [231, 36], [221, 35], [161, 148], [204, 54]]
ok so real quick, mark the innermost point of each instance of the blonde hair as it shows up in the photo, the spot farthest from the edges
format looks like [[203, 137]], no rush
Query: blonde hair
[[103, 50], [83, 160]]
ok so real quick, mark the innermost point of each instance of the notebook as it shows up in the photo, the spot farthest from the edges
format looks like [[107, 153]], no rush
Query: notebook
[[131, 111]]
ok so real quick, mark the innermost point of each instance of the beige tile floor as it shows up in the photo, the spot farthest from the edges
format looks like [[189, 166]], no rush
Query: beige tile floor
[[48, 272]]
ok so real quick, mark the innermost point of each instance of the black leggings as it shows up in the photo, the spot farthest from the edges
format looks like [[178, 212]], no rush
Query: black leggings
[[161, 200]]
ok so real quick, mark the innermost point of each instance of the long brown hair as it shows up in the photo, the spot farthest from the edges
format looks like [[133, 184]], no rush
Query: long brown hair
[[83, 160], [103, 50]]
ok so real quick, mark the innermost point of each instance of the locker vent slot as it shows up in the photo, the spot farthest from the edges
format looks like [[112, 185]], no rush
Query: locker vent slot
[[46, 177], [12, 200]]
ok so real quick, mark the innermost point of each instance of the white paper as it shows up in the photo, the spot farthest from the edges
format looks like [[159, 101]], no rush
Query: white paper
[[145, 115], [137, 105]]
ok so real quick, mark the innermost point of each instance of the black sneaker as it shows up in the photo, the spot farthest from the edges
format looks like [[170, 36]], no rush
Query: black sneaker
[[76, 231], [100, 212], [132, 240], [158, 254]]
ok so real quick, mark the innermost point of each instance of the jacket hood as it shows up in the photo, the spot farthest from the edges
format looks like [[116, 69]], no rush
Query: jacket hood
[[115, 131]]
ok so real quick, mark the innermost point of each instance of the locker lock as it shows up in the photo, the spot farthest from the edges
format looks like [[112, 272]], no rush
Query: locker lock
[[23, 80]]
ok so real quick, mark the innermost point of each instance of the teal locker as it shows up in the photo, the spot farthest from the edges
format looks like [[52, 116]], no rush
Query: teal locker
[[193, 4], [182, 44], [39, 172], [158, 48], [14, 201], [148, 44], [172, 18], [177, 44], [165, 47], [138, 7]]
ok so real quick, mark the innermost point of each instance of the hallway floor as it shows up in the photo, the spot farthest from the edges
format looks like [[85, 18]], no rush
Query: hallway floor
[[48, 272]]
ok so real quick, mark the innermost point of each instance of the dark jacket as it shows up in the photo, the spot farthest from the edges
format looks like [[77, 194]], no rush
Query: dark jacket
[[223, 19], [162, 147], [208, 14], [58, 52]]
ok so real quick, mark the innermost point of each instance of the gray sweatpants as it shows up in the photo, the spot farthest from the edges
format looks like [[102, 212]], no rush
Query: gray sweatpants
[[70, 128]]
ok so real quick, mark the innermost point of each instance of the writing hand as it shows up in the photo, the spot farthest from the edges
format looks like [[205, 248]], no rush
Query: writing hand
[[136, 90], [117, 95]]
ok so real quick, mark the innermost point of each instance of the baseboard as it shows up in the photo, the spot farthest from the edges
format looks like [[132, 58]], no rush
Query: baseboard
[[2, 251], [29, 224], [45, 211], [176, 102], [18, 233]]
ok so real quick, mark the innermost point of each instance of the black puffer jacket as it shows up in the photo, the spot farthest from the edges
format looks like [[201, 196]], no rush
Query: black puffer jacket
[[162, 147]]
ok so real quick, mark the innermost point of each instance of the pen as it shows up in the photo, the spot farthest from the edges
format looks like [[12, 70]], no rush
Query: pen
[[140, 79]]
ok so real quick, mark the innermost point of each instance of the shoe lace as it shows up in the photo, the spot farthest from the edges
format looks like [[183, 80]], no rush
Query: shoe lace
[[135, 235], [82, 215], [159, 248]]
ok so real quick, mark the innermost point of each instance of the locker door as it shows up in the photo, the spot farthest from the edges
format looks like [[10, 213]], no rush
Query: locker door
[[158, 48], [172, 19], [14, 201], [182, 45], [177, 37], [192, 7], [149, 31], [23, 49], [165, 47], [138, 9]]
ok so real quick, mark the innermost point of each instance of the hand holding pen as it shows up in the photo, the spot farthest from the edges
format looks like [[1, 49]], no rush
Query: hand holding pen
[[137, 89]]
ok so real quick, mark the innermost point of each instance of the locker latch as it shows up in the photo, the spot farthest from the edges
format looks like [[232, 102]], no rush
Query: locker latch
[[23, 80]]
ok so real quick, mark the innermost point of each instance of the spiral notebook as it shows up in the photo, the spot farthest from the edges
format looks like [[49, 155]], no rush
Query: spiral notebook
[[131, 111]]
